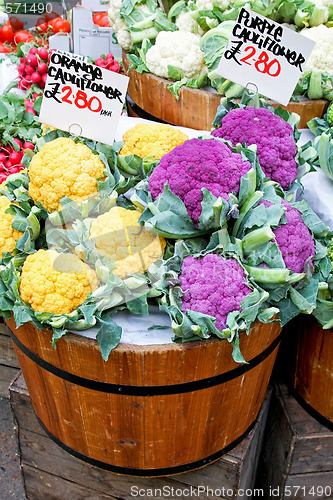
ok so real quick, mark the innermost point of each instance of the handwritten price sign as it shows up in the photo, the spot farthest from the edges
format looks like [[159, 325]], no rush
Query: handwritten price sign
[[82, 98], [266, 54]]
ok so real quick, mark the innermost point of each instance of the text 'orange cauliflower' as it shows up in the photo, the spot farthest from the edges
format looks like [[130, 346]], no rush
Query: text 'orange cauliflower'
[[8, 235], [64, 168], [119, 237], [150, 139], [54, 282]]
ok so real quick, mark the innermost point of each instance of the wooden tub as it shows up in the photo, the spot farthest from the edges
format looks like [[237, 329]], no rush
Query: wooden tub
[[149, 410], [196, 108], [311, 366]]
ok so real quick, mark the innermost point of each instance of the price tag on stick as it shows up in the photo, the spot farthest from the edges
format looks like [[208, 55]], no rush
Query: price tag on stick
[[83, 98], [266, 54]]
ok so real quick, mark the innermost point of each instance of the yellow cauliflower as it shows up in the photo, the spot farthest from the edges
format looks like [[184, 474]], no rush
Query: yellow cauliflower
[[118, 236], [47, 128], [8, 235], [64, 168], [56, 283], [150, 139]]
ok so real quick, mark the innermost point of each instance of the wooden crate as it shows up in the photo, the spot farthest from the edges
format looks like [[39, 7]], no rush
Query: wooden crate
[[50, 472], [297, 457], [9, 364]]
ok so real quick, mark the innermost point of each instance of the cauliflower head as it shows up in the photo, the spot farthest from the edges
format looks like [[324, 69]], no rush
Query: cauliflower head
[[179, 49], [213, 285], [276, 147], [8, 235], [54, 282], [150, 139], [294, 239], [119, 237], [118, 25], [185, 22], [209, 4], [321, 57], [64, 168], [198, 164]]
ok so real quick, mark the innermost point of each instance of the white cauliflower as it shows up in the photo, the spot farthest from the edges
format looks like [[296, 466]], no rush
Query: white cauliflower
[[208, 4], [185, 22], [118, 25], [179, 49], [321, 58]]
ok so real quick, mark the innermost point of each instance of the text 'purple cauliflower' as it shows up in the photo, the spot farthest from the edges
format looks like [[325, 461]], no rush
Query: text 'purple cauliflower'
[[213, 285], [276, 148], [198, 164], [294, 239]]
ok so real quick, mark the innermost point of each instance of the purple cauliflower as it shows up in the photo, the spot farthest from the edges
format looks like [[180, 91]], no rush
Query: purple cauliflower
[[276, 148], [198, 164], [294, 239], [213, 285]]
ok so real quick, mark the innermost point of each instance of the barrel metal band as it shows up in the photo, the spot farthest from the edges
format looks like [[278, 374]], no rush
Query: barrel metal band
[[310, 409], [147, 390], [131, 471]]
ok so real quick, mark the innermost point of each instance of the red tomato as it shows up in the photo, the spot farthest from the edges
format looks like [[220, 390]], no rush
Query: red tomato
[[42, 24], [23, 37], [104, 21], [4, 49], [97, 16], [6, 33], [16, 23], [61, 25], [51, 16]]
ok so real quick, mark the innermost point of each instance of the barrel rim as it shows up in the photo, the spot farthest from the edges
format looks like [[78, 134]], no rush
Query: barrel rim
[[146, 390]]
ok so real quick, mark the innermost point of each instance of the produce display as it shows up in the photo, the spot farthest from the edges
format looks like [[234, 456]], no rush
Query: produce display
[[183, 41], [208, 233], [206, 228]]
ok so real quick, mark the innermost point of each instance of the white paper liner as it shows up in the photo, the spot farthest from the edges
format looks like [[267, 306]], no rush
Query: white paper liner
[[135, 328], [318, 189], [8, 72]]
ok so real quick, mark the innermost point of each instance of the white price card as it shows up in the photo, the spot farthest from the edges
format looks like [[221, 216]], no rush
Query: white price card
[[82, 98], [265, 54]]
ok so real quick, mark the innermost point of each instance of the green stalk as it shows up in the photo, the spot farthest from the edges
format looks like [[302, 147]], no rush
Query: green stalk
[[253, 200], [256, 238], [315, 90], [268, 275], [139, 36], [324, 154]]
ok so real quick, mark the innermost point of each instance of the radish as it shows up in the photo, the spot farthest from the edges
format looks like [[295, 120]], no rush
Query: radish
[[28, 145], [42, 68], [36, 77], [32, 60], [14, 169], [29, 69], [43, 53], [18, 142]]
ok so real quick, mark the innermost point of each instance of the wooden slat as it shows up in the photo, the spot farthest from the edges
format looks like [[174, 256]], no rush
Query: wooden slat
[[7, 373], [7, 351]]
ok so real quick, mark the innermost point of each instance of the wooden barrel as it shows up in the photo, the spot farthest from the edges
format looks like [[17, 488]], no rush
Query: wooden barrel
[[196, 108], [149, 410], [310, 353]]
